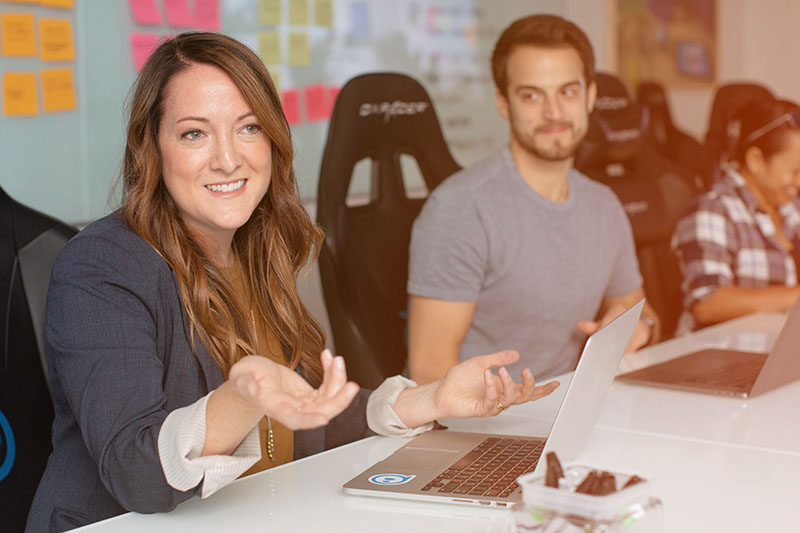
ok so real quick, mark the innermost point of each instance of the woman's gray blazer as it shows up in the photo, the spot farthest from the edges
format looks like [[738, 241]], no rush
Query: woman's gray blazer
[[119, 361]]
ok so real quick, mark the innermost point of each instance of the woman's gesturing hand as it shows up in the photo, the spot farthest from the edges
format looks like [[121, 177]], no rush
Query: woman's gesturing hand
[[470, 389], [284, 395]]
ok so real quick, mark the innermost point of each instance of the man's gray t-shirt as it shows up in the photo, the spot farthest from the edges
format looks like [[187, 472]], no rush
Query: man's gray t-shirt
[[533, 267]]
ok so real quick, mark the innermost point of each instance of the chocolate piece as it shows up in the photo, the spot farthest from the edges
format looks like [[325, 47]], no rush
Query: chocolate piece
[[554, 470]]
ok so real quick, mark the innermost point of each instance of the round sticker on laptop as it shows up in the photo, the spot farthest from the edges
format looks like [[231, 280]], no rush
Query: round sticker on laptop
[[390, 479]]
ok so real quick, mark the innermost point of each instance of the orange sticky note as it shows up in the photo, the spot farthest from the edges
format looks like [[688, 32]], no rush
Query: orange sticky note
[[66, 4], [55, 36], [19, 39], [291, 106], [19, 94], [58, 90], [142, 45]]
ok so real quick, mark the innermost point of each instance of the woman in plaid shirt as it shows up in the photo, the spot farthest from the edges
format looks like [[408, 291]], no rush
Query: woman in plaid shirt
[[739, 243]]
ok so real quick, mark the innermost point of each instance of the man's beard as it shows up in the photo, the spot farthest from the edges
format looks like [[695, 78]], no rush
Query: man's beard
[[555, 151]]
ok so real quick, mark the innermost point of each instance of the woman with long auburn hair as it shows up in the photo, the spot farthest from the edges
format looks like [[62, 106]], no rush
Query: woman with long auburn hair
[[155, 312]]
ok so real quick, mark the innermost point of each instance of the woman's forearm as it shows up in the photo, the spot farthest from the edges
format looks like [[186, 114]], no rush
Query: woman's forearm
[[229, 418], [731, 302]]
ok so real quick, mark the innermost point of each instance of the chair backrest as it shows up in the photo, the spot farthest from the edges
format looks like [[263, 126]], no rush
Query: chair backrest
[[653, 190], [667, 139], [29, 243], [364, 260], [728, 100]]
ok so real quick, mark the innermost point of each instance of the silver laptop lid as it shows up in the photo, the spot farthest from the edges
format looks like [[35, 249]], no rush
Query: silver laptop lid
[[591, 380]]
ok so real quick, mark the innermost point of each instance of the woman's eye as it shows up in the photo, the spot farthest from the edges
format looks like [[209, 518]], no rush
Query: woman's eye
[[252, 128], [191, 135]]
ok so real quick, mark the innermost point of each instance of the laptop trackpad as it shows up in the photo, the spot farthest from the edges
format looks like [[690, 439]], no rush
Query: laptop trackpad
[[423, 458]]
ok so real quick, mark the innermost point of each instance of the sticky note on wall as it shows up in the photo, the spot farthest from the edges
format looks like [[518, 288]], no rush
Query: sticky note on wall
[[19, 94], [291, 106], [206, 14], [178, 13], [145, 12], [323, 13], [55, 36], [19, 39], [58, 90], [298, 12], [142, 45], [269, 12], [66, 4], [299, 52], [269, 47]]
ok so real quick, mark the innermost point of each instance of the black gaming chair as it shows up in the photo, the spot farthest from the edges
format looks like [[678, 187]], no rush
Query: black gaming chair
[[653, 190], [29, 243], [668, 140], [728, 100], [364, 259]]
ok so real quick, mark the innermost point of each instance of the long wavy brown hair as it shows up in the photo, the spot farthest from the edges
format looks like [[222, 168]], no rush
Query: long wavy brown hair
[[272, 246]]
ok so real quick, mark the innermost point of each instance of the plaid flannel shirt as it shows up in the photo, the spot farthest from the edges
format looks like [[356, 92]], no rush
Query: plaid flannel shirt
[[727, 239]]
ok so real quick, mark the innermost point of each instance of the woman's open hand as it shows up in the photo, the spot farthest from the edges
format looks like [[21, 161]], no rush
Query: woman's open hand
[[284, 395], [470, 389]]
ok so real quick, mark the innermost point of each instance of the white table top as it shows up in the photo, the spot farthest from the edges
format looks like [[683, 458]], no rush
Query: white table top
[[717, 463]]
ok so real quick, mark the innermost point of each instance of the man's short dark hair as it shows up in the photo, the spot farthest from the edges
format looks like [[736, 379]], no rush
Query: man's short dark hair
[[549, 31]]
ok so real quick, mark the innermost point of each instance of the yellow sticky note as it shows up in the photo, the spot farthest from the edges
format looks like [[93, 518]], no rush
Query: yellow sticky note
[[58, 91], [19, 38], [19, 93], [323, 13], [298, 12], [269, 12], [269, 47], [276, 79], [299, 53], [67, 4], [55, 36]]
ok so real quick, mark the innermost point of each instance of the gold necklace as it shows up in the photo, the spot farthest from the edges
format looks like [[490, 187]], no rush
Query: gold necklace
[[270, 436]]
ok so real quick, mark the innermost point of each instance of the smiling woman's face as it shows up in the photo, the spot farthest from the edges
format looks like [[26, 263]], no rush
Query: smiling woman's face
[[216, 159]]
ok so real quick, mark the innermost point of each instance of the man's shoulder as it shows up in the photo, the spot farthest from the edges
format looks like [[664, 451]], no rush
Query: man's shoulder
[[475, 181]]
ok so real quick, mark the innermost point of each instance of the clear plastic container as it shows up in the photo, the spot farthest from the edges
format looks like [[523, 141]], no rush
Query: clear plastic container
[[548, 510]]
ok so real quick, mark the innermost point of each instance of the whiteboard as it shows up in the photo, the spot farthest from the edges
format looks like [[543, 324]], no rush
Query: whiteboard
[[65, 164]]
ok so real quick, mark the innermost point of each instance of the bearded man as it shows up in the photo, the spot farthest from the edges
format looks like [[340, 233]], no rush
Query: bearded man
[[521, 251]]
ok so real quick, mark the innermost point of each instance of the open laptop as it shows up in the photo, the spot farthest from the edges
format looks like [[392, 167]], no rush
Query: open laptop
[[730, 372], [478, 468]]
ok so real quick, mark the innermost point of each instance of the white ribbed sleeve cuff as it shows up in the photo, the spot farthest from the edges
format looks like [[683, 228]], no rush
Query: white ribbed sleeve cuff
[[181, 441], [381, 418]]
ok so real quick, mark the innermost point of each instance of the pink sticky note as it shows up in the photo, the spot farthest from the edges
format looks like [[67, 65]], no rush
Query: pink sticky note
[[178, 13], [142, 45], [206, 14], [145, 12], [291, 106], [317, 107], [333, 92]]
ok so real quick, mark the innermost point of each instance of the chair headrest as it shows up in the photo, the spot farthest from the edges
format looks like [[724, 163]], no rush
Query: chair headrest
[[653, 97], [728, 100], [616, 125]]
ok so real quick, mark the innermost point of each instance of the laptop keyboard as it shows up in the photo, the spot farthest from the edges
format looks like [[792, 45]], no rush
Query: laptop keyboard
[[741, 376], [490, 469]]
